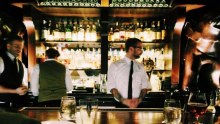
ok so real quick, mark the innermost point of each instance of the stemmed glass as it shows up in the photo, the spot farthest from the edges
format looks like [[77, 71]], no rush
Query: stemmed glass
[[197, 104]]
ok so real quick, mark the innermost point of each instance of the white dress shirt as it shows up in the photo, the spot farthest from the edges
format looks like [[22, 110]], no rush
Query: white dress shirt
[[35, 79], [2, 67], [118, 76]]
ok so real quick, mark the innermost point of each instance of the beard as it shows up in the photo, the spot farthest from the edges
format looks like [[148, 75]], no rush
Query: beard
[[136, 56]]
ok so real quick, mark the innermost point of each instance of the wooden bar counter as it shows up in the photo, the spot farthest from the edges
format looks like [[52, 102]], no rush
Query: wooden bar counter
[[107, 115]]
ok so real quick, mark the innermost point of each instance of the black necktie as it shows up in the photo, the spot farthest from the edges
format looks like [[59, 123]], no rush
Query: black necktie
[[130, 82], [15, 64]]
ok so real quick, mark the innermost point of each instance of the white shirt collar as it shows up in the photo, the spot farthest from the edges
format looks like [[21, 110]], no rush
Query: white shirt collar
[[12, 57], [128, 60], [50, 59]]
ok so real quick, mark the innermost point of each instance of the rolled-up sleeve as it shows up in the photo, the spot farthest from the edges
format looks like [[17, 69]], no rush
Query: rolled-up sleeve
[[34, 84], [68, 80], [145, 81], [111, 82]]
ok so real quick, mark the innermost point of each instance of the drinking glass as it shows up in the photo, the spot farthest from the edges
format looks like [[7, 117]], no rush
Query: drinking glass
[[197, 105], [68, 108], [172, 111], [88, 110]]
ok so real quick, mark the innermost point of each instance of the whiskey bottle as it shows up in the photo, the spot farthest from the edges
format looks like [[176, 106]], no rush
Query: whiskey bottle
[[68, 31], [50, 31], [163, 30], [62, 30], [158, 31], [147, 33]]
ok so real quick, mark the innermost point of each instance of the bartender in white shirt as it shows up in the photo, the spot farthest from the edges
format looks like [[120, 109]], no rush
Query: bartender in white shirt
[[13, 74], [120, 71], [49, 85]]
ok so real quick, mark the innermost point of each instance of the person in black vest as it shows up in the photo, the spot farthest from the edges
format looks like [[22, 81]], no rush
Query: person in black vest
[[50, 80], [13, 74]]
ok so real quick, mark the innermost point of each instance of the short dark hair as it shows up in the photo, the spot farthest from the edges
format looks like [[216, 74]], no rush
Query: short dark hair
[[131, 42], [52, 53], [13, 38]]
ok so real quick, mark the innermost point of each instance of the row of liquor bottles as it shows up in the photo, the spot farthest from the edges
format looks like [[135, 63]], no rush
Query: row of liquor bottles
[[68, 29], [90, 58], [147, 31]]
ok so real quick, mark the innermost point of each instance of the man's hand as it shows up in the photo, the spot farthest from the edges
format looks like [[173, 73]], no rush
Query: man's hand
[[21, 90], [131, 103]]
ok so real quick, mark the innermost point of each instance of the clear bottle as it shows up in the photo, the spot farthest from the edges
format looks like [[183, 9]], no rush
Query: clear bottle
[[81, 33], [93, 33], [116, 32], [88, 33], [56, 32]]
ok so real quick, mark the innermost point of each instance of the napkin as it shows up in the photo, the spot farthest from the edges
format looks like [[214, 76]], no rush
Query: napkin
[[16, 118]]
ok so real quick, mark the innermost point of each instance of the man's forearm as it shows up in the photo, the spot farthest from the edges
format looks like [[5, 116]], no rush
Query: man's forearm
[[142, 94], [7, 90], [116, 95]]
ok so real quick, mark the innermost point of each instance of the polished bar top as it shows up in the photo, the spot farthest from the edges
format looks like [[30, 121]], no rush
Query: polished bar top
[[108, 115], [104, 115]]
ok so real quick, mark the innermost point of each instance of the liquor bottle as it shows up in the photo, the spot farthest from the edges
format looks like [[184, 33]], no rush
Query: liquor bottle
[[44, 30], [98, 28], [111, 34], [158, 31], [87, 33], [68, 31], [147, 33], [81, 33], [122, 33], [153, 31], [62, 30], [75, 31], [93, 33], [50, 31], [138, 31], [116, 32], [5, 30], [56, 32], [211, 107], [131, 31], [163, 30]]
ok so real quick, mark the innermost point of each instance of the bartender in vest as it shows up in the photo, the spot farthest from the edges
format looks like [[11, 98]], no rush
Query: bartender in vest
[[13, 74], [50, 80]]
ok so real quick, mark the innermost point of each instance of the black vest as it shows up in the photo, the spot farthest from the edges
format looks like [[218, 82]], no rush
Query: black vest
[[9, 77]]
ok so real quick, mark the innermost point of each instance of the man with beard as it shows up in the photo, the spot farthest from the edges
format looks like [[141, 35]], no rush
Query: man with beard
[[127, 78]]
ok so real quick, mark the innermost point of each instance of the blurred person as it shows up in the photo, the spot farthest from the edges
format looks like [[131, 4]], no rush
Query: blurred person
[[125, 72], [199, 58], [50, 80], [13, 73]]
